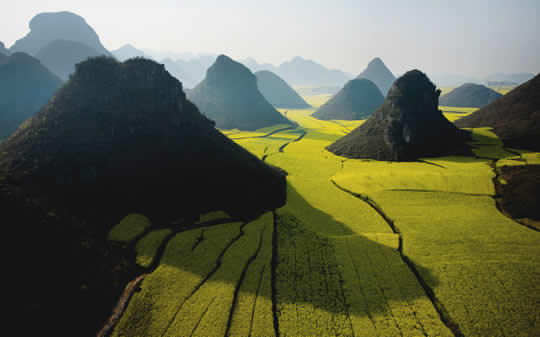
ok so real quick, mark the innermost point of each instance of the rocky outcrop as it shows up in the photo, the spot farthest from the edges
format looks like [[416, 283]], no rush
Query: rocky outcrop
[[277, 92], [61, 56], [514, 117], [407, 126], [358, 99], [25, 87], [378, 73], [469, 95], [229, 96], [47, 27]]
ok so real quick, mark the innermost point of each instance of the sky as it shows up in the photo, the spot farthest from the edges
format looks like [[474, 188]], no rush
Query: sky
[[473, 37]]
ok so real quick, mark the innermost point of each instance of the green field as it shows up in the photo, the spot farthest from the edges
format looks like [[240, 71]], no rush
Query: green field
[[362, 248]]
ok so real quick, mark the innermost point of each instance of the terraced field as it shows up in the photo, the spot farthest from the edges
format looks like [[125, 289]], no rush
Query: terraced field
[[362, 248]]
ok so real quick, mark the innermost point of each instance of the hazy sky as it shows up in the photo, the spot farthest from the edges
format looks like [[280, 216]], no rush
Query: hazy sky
[[473, 37]]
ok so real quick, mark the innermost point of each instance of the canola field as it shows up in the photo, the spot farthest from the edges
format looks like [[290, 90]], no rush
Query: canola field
[[362, 248]]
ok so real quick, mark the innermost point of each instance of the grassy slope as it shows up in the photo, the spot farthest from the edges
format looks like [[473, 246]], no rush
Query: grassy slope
[[339, 271]]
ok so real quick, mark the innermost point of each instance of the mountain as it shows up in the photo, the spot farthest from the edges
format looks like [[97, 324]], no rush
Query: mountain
[[254, 66], [358, 99], [277, 92], [25, 86], [469, 95], [118, 138], [452, 80], [178, 71], [300, 71], [61, 56], [517, 78], [229, 95], [196, 67], [378, 73], [407, 126], [47, 27], [514, 117], [3, 49], [127, 52]]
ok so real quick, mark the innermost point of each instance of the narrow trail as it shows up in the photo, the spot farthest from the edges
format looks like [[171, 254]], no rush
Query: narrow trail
[[441, 310], [430, 163], [282, 147], [265, 135]]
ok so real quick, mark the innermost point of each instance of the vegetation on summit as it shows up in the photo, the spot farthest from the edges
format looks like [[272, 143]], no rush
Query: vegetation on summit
[[407, 126]]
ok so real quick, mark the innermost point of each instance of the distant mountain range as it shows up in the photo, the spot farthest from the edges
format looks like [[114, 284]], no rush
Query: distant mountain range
[[61, 56], [59, 41], [128, 51], [47, 27], [497, 79]]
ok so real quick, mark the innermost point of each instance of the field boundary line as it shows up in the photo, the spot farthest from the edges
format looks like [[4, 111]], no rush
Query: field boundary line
[[439, 307]]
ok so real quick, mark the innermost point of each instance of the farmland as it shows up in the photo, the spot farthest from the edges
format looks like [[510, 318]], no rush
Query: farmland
[[362, 248]]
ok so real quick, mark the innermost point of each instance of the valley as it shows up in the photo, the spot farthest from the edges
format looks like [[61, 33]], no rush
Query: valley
[[361, 248]]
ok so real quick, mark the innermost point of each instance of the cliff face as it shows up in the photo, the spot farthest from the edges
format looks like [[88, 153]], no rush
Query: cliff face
[[407, 126], [118, 138], [229, 96], [514, 117]]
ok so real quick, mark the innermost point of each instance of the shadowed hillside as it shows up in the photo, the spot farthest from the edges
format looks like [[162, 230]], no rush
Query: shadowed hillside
[[407, 126], [358, 99], [118, 138], [277, 92], [229, 96], [25, 86], [469, 95], [3, 49], [47, 27], [379, 74], [61, 56], [515, 117]]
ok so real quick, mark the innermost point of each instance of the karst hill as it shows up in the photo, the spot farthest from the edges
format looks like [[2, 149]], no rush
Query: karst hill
[[358, 99], [61, 56], [25, 86], [118, 138], [377, 72], [514, 117], [469, 95], [229, 96], [407, 126], [47, 27], [278, 92]]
